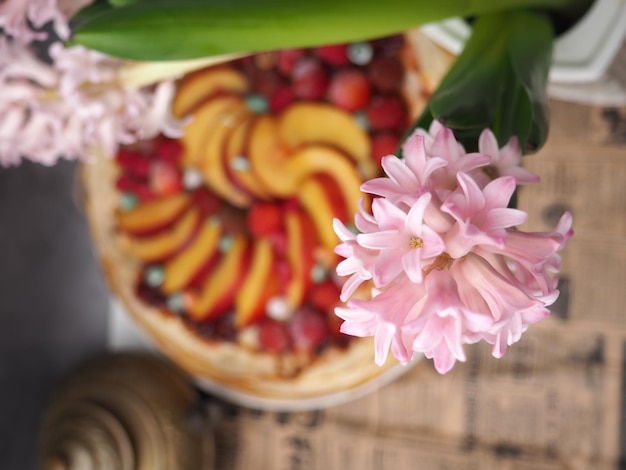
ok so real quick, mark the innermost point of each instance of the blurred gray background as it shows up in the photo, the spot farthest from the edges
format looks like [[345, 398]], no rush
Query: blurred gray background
[[53, 299]]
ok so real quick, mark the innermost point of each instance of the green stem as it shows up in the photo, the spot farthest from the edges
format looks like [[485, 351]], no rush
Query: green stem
[[183, 29]]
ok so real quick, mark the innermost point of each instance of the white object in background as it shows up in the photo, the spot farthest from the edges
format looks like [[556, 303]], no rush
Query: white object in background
[[123, 333], [581, 54]]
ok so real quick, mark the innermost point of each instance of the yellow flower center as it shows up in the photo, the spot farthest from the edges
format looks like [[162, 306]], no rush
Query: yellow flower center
[[416, 242]]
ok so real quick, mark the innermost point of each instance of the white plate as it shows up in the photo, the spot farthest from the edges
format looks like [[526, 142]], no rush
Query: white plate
[[581, 55]]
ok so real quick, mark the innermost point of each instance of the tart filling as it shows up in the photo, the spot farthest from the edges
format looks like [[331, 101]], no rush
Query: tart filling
[[221, 243]]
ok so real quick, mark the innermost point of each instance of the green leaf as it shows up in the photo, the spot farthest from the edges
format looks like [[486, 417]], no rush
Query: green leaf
[[469, 96], [184, 29], [499, 81], [530, 49], [89, 12]]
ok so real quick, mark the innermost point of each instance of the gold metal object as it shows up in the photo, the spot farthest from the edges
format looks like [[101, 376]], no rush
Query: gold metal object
[[126, 412]]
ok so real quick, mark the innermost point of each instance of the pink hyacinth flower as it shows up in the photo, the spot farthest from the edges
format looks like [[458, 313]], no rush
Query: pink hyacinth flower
[[407, 178], [444, 323], [505, 161], [441, 250], [385, 318], [482, 216], [404, 242]]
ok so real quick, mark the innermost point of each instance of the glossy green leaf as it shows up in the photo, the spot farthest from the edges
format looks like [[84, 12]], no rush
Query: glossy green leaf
[[89, 12], [531, 54], [470, 94], [498, 84], [183, 29]]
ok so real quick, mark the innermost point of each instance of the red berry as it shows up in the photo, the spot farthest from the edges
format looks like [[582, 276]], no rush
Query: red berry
[[308, 328], [279, 242], [206, 202], [134, 162], [126, 157], [168, 150], [389, 46], [144, 192], [349, 90], [273, 336], [266, 82], [264, 218], [384, 144], [386, 73], [283, 271], [325, 296], [386, 112], [334, 55], [164, 179], [281, 98], [310, 79], [127, 183], [287, 59]]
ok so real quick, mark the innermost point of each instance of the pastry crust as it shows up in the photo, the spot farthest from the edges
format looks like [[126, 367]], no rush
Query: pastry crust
[[229, 364]]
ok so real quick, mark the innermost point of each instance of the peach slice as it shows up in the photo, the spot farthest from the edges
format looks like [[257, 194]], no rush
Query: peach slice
[[259, 285], [315, 123], [314, 199], [212, 162], [219, 289], [195, 87], [153, 214], [213, 111], [162, 245], [285, 174], [301, 242], [237, 163], [182, 268]]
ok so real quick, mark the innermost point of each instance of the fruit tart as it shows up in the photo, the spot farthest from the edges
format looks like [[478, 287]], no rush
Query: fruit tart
[[221, 245]]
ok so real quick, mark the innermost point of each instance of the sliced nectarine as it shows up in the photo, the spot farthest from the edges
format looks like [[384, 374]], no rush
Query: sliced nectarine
[[316, 202], [153, 214], [182, 268], [212, 162], [301, 242], [195, 87], [286, 174], [237, 162], [211, 112], [219, 289], [259, 285], [162, 245], [320, 123], [267, 154]]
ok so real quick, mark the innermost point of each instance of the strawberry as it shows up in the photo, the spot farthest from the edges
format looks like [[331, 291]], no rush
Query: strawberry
[[206, 202], [386, 73], [349, 90], [281, 98], [264, 218], [127, 183], [164, 179], [308, 329], [325, 296], [334, 54], [310, 79], [168, 150], [287, 59], [383, 144], [273, 336], [386, 112]]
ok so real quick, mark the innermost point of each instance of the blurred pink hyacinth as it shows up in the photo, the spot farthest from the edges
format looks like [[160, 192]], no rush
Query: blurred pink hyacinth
[[74, 105], [441, 254]]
